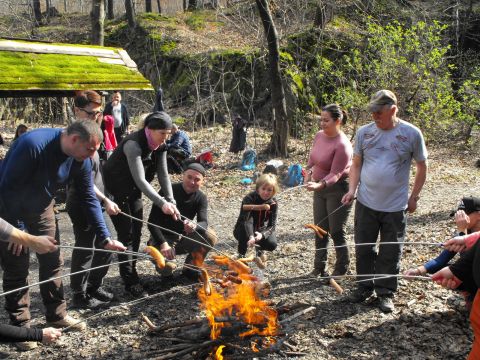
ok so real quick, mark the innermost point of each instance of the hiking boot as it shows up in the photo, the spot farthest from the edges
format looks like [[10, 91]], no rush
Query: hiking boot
[[82, 301], [136, 291], [385, 304], [359, 295], [101, 294], [70, 322], [26, 345]]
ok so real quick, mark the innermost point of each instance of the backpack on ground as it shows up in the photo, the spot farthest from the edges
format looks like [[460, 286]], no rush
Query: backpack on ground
[[249, 160], [294, 175], [206, 159]]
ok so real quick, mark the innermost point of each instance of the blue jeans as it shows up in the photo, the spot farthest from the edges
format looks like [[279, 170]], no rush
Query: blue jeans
[[391, 227]]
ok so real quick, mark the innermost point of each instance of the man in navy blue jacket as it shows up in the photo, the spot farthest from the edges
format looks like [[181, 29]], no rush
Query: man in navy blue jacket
[[179, 148], [36, 164]]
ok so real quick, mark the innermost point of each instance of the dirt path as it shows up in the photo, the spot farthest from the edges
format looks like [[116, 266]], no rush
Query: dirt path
[[428, 322]]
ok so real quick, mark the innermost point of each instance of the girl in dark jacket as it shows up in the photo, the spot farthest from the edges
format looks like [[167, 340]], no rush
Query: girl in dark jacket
[[257, 220]]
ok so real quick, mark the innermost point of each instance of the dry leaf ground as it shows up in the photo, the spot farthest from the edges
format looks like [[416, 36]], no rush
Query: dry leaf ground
[[428, 323]]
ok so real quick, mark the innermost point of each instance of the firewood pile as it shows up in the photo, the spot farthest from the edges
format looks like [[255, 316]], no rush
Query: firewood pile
[[238, 322], [191, 339]]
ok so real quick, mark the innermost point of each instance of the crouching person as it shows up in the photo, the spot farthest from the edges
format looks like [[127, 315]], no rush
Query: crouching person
[[256, 223], [191, 203]]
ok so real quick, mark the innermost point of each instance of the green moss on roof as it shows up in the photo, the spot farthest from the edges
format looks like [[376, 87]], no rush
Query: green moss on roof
[[22, 70]]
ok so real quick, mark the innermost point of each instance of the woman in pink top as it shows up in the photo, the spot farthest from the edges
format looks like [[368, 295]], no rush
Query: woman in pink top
[[327, 176]]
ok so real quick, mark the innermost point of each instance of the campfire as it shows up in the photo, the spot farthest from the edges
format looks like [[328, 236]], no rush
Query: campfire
[[238, 319], [235, 303]]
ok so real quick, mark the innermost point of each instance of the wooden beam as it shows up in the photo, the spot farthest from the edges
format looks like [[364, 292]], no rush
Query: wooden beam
[[8, 45]]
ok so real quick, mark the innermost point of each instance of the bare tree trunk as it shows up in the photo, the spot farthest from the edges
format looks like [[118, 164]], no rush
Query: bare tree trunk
[[323, 14], [65, 110], [48, 4], [110, 13], [279, 140], [159, 7], [37, 12], [129, 13], [98, 17], [65, 6], [148, 5]]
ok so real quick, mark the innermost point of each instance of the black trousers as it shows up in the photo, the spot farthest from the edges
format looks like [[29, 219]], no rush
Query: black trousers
[[268, 244], [129, 233], [85, 259], [369, 224], [196, 250]]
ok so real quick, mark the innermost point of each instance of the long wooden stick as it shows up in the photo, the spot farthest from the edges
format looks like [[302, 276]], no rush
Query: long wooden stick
[[300, 313]]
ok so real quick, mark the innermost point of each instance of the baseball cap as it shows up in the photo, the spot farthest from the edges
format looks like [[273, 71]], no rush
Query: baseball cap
[[380, 99]]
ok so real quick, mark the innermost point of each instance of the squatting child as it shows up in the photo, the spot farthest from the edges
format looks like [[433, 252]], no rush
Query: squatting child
[[257, 220]]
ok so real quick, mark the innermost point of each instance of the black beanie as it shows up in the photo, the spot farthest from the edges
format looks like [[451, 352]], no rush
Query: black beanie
[[158, 120], [197, 167], [469, 204]]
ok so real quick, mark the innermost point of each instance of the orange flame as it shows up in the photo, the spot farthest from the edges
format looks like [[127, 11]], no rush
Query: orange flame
[[218, 353], [241, 302]]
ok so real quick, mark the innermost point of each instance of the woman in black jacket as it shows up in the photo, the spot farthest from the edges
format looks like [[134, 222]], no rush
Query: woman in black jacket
[[127, 174]]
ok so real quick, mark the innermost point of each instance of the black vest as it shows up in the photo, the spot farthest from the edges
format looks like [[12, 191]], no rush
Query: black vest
[[116, 173]]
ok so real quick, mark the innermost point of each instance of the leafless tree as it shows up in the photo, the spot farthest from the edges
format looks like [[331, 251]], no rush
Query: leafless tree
[[323, 14], [129, 13], [37, 12], [148, 5], [110, 13], [279, 140], [98, 17]]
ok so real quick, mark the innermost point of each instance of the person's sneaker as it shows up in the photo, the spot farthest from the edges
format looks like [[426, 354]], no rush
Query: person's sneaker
[[359, 295], [101, 294], [82, 301], [315, 272], [26, 345], [136, 291], [70, 322], [385, 304]]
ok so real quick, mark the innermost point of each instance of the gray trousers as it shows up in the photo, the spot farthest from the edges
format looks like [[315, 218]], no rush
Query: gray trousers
[[325, 202], [391, 226]]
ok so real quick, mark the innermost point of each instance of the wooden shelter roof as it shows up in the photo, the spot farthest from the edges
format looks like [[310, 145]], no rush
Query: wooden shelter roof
[[45, 69]]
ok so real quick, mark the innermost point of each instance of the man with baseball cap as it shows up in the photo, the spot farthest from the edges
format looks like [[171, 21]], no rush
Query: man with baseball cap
[[187, 237], [384, 150]]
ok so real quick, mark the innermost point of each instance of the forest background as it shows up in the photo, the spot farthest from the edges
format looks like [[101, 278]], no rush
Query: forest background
[[211, 59]]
